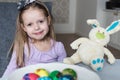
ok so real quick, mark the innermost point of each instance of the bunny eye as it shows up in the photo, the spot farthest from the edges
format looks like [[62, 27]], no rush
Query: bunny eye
[[93, 25]]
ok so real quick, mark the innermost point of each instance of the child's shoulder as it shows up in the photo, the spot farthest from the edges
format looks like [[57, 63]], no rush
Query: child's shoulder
[[57, 44]]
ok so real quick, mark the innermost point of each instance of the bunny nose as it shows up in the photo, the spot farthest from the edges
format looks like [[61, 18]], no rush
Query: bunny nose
[[100, 35]]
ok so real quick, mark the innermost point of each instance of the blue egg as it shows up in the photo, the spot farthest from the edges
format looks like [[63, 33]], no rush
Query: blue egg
[[44, 78], [66, 77]]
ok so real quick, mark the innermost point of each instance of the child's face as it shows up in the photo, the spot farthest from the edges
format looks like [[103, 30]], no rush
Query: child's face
[[35, 23]]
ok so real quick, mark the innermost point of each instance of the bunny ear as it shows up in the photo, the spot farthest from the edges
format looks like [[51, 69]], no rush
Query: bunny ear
[[93, 22], [114, 27]]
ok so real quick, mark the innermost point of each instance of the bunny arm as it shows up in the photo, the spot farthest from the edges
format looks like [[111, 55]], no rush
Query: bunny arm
[[75, 44], [75, 58], [111, 58]]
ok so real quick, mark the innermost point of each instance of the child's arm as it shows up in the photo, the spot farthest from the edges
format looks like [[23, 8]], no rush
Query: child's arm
[[11, 66], [61, 52]]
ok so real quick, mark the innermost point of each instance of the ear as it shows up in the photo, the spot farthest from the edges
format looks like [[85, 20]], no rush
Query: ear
[[114, 27], [93, 23]]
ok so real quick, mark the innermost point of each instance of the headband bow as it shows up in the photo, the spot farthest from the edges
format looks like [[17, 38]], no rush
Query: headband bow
[[23, 3]]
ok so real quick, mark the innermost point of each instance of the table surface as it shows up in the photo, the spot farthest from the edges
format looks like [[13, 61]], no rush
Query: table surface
[[109, 72]]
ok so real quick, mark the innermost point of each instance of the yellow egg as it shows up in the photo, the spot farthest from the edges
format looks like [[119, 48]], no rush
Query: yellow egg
[[42, 72]]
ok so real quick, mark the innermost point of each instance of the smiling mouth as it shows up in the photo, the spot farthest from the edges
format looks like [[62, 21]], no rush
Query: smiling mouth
[[38, 33]]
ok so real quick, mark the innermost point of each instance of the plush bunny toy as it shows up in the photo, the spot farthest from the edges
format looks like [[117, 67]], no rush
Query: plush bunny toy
[[91, 51]]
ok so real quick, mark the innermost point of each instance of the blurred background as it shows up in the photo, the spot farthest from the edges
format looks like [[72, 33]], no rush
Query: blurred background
[[70, 23]]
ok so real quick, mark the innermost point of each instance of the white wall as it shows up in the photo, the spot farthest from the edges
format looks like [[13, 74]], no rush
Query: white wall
[[80, 11], [101, 16], [86, 9], [105, 18], [70, 26]]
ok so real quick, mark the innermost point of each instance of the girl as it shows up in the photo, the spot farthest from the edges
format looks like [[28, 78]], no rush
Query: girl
[[35, 40]]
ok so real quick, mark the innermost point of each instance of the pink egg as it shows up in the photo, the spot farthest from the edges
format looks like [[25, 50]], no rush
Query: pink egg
[[30, 76]]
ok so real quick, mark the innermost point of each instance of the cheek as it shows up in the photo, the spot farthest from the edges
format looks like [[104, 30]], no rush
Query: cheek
[[28, 31], [46, 26]]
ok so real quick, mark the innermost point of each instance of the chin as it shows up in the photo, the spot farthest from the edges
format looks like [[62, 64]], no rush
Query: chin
[[40, 38]]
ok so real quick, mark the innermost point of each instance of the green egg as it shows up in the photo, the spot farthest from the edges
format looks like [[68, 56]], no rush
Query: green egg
[[54, 75], [69, 71]]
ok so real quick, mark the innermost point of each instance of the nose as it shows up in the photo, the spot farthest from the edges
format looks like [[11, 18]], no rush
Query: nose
[[37, 27]]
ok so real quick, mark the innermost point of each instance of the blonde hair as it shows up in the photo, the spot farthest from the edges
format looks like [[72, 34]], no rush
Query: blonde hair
[[21, 37]]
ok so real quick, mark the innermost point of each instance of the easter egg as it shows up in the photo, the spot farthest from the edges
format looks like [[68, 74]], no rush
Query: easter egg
[[66, 77], [30, 76], [69, 71], [42, 72], [54, 75], [44, 78]]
